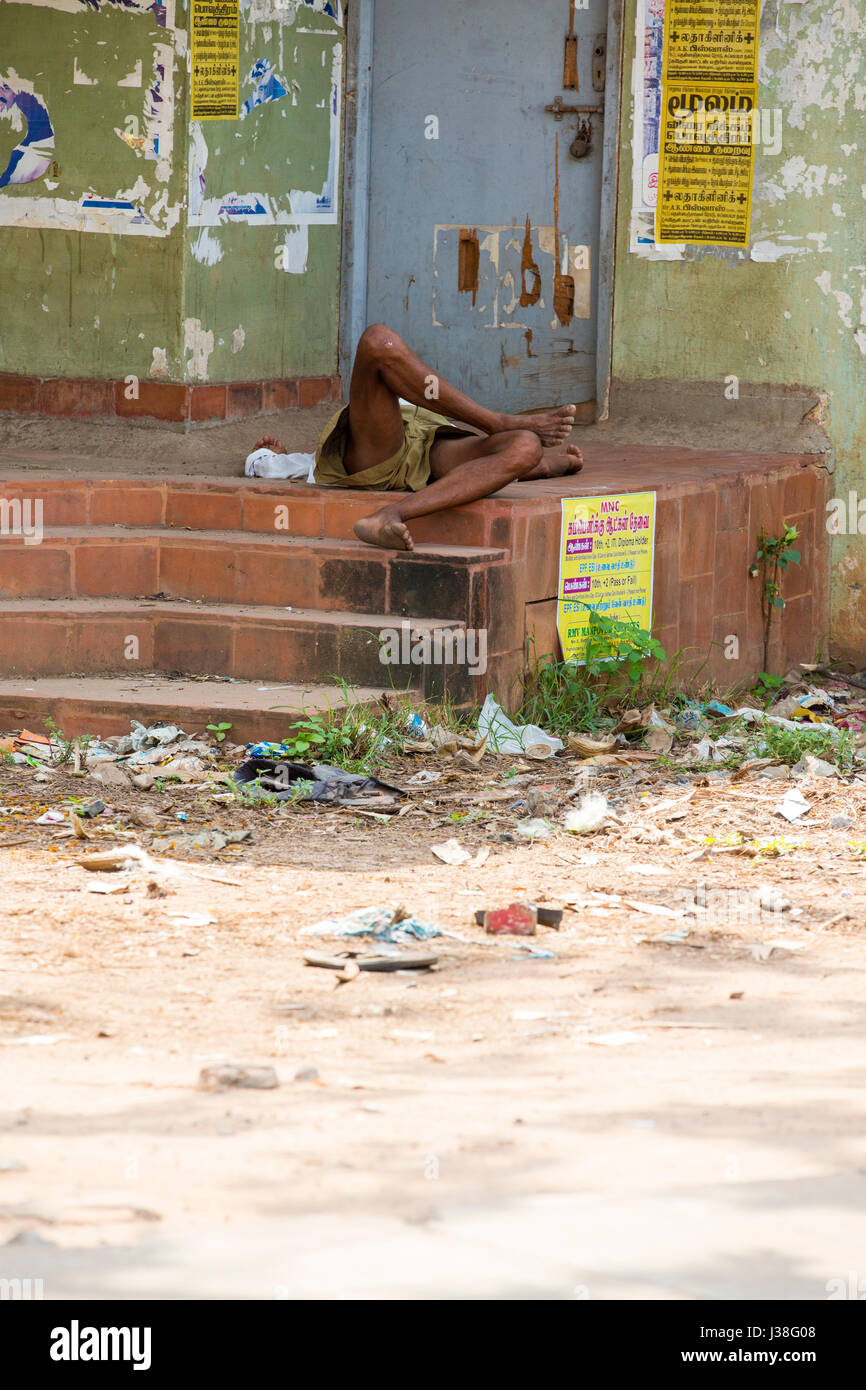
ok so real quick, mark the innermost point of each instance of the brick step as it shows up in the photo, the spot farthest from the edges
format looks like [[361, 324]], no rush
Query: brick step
[[41, 637], [237, 567], [243, 504], [103, 705]]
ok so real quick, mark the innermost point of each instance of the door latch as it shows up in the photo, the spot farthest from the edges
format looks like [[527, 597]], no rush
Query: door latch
[[581, 145]]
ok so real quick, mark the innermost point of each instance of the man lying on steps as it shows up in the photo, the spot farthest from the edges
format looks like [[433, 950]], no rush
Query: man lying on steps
[[378, 443]]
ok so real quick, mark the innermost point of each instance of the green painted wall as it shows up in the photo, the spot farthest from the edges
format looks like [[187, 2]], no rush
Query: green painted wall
[[799, 319], [232, 301]]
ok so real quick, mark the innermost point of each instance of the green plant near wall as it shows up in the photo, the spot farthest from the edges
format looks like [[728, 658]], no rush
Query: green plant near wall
[[773, 558]]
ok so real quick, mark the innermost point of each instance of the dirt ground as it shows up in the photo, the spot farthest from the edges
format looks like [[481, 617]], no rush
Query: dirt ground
[[664, 1101]]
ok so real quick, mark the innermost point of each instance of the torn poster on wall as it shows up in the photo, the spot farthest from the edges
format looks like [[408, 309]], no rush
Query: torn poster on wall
[[646, 126], [213, 43], [278, 163], [92, 130]]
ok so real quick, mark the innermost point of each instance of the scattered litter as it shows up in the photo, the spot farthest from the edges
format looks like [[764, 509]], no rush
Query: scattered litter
[[157, 736], [759, 716], [229, 1074], [376, 964], [451, 852], [586, 747], [113, 860], [792, 806], [52, 818], [592, 814], [99, 886], [423, 778], [382, 923], [503, 736], [266, 775], [203, 839], [307, 1074], [12, 1165], [841, 822], [518, 919], [653, 909], [809, 766], [192, 919], [535, 828], [774, 772], [771, 900]]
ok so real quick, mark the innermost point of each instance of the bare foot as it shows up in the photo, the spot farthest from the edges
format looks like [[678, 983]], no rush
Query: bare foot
[[267, 441], [557, 466], [562, 464], [551, 426], [385, 529]]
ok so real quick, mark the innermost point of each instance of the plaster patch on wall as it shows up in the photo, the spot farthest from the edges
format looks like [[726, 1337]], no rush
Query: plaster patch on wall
[[159, 365], [793, 56], [844, 301], [796, 176], [199, 344], [239, 337], [79, 77], [295, 250], [132, 79], [206, 247]]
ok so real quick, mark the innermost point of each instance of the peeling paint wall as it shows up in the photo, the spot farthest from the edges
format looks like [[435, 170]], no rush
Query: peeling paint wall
[[791, 310], [263, 246], [91, 186], [142, 244]]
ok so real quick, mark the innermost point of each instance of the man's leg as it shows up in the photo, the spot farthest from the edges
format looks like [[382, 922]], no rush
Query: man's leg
[[464, 470], [386, 368]]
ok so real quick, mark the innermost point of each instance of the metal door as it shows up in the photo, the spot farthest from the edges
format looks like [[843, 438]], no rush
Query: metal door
[[483, 230]]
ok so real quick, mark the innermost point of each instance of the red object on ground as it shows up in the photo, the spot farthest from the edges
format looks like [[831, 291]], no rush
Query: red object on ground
[[515, 920]]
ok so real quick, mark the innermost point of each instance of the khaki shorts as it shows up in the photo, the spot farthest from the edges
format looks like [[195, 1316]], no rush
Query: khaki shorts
[[406, 471]]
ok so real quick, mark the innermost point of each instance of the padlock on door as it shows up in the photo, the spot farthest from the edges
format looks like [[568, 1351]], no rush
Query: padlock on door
[[582, 142]]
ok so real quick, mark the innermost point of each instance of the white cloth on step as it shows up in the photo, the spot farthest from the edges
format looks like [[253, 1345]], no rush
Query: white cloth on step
[[264, 463]]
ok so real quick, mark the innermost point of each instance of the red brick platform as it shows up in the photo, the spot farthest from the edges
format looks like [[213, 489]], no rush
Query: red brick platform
[[264, 581]]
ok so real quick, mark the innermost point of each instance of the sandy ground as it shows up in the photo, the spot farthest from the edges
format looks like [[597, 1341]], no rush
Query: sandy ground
[[623, 1117]]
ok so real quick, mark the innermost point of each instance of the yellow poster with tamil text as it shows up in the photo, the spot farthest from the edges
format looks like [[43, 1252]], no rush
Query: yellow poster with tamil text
[[708, 122], [706, 159], [214, 42], [711, 41], [606, 554]]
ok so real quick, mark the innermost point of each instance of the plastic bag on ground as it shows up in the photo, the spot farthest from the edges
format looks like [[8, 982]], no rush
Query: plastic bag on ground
[[503, 736], [383, 923], [265, 463]]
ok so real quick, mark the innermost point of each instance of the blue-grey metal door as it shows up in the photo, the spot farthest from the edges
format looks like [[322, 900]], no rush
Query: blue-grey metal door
[[483, 244]]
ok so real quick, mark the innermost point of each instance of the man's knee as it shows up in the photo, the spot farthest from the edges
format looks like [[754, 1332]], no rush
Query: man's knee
[[524, 449], [378, 342]]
